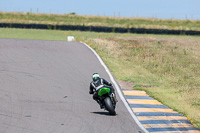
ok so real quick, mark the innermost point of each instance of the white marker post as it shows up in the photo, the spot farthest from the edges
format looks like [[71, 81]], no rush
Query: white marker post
[[70, 38]]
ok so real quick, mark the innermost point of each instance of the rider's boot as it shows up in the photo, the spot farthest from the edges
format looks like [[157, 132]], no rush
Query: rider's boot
[[100, 103]]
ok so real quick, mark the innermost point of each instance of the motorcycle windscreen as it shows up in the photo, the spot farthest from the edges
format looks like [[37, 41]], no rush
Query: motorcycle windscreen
[[103, 91]]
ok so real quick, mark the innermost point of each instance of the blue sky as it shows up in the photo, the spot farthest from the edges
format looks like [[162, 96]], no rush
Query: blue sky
[[178, 9]]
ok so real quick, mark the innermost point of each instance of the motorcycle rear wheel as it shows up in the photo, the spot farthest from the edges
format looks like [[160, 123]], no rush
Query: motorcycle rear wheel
[[109, 106]]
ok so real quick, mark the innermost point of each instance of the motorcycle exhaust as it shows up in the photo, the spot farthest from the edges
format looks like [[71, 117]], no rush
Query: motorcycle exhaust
[[114, 97]]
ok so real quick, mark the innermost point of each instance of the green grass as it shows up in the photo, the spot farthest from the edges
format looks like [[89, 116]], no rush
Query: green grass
[[53, 34], [167, 67], [69, 19]]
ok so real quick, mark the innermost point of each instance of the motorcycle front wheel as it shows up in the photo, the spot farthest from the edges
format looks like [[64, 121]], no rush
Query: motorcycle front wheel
[[109, 106]]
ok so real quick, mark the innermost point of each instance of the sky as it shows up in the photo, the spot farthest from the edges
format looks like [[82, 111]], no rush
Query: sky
[[164, 9]]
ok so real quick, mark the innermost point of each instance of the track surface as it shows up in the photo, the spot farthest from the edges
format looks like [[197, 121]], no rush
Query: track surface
[[44, 89]]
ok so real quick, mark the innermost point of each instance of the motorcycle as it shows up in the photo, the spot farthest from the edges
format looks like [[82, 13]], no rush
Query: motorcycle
[[108, 99]]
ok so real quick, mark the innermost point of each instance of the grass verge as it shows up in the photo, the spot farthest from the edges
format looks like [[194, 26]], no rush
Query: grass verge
[[70, 19], [166, 67]]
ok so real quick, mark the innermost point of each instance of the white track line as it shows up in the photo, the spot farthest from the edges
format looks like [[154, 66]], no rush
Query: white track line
[[118, 89]]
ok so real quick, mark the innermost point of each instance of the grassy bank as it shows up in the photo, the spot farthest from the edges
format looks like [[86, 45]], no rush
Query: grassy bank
[[166, 67], [70, 19]]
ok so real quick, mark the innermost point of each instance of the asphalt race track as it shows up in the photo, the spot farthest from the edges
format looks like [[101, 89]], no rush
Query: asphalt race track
[[44, 88]]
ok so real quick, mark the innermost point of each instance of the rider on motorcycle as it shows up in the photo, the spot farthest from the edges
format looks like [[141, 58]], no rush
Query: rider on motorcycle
[[96, 85]]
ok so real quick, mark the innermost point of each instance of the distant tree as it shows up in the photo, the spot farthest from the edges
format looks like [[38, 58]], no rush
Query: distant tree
[[72, 13]]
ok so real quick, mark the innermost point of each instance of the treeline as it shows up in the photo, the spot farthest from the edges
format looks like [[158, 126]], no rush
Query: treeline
[[99, 29]]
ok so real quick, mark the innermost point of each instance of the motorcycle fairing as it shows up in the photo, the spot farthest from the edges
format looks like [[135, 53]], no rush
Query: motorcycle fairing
[[103, 91]]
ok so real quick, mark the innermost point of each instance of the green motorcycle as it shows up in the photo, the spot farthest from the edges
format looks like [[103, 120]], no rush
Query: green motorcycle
[[109, 100]]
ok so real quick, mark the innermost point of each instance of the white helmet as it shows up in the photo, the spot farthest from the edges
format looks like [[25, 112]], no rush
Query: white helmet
[[95, 76]]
